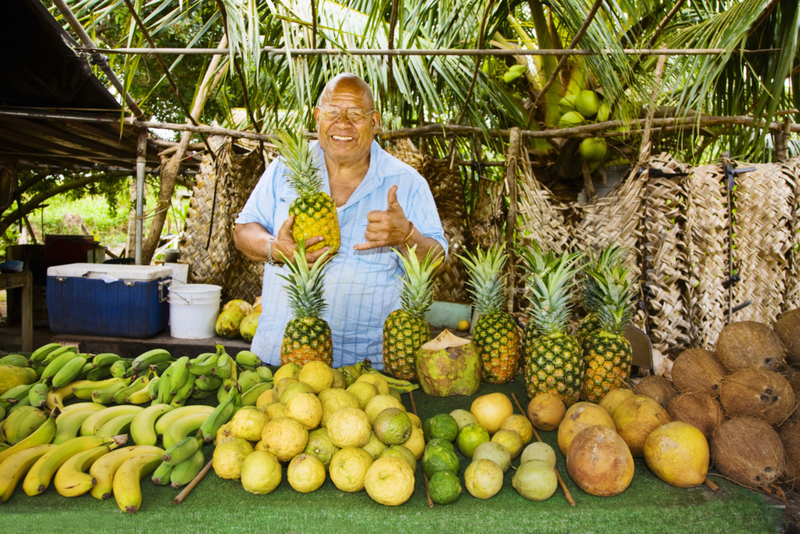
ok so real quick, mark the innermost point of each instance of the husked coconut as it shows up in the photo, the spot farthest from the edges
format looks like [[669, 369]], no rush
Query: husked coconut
[[787, 327], [748, 451], [698, 371], [657, 388], [790, 437], [701, 411], [749, 344], [599, 462], [757, 393]]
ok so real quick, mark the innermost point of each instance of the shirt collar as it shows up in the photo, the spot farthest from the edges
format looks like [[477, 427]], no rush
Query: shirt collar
[[372, 181]]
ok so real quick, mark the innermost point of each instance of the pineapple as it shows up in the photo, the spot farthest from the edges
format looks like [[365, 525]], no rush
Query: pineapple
[[406, 330], [314, 210], [552, 362], [496, 336], [606, 352], [307, 337], [591, 293], [534, 261]]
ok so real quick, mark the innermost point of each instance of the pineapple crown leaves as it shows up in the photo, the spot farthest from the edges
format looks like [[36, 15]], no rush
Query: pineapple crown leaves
[[592, 300], [550, 294], [416, 296], [305, 286], [486, 281], [304, 177], [534, 260], [615, 292]]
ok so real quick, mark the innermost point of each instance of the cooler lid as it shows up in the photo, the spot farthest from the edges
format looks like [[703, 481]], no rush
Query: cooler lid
[[106, 271]]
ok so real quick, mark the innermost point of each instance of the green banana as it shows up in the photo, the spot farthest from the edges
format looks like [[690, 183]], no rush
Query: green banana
[[160, 367], [43, 434], [139, 397], [203, 364], [41, 353], [105, 359], [170, 418], [92, 424], [162, 473], [60, 351], [16, 360], [23, 422], [84, 389], [151, 357], [143, 425], [104, 469], [264, 372], [15, 394], [221, 415], [208, 383], [99, 374], [37, 394], [184, 472], [152, 387], [225, 365], [250, 396], [55, 366], [248, 360], [164, 396], [68, 425], [116, 426], [69, 372], [106, 395], [182, 450], [127, 480], [182, 428], [133, 387], [24, 402], [180, 374], [183, 394], [200, 394], [248, 379], [119, 368], [71, 479], [226, 391], [16, 467], [87, 367]]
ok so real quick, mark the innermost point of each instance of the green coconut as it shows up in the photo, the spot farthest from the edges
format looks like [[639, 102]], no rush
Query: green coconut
[[571, 119], [604, 111], [587, 103], [567, 104], [449, 365], [593, 148]]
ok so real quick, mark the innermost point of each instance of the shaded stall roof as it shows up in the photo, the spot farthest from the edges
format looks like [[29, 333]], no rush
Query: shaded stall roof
[[42, 76]]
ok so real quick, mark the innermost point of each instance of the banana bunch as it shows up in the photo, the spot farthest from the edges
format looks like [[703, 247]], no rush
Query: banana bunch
[[182, 462], [21, 423], [104, 470], [127, 479], [402, 386]]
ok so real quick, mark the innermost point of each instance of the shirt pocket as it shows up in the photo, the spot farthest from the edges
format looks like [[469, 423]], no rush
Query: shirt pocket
[[282, 209]]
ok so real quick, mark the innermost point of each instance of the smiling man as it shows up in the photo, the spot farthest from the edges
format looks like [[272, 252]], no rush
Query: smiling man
[[381, 203]]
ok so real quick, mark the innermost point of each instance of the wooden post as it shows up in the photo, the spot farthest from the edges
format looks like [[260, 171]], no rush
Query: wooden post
[[511, 220]]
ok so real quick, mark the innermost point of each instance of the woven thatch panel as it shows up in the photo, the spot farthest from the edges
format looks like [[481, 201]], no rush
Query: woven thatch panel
[[666, 259], [791, 173], [763, 238], [706, 245], [216, 261], [404, 150], [542, 215]]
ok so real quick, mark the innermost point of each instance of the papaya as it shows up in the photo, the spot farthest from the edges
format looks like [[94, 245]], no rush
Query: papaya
[[249, 324], [231, 317]]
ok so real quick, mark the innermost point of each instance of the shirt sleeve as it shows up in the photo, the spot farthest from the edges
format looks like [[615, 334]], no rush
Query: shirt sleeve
[[425, 215], [260, 207]]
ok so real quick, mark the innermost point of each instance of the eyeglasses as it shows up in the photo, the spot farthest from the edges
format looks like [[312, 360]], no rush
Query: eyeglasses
[[354, 115]]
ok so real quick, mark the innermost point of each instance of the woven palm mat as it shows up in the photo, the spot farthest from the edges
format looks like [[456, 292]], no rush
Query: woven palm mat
[[217, 261], [791, 173]]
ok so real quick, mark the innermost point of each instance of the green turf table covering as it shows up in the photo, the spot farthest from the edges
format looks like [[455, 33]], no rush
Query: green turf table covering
[[216, 505]]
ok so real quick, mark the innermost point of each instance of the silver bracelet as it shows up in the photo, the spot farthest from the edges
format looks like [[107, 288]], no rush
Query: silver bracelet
[[270, 259]]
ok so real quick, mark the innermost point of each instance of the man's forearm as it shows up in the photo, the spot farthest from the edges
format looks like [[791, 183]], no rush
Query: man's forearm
[[423, 244], [251, 240]]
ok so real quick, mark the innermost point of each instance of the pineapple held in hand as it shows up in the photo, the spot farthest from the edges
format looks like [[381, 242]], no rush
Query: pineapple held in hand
[[553, 361], [307, 337], [606, 352], [496, 336], [314, 210], [406, 330], [592, 297]]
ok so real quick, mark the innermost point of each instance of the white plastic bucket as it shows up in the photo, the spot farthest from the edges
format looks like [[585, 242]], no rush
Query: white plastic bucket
[[193, 310]]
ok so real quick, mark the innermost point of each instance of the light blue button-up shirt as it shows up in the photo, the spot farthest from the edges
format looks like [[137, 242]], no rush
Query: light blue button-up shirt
[[361, 287]]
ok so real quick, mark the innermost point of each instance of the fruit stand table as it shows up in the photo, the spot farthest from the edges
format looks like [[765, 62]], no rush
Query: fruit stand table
[[216, 505], [24, 280]]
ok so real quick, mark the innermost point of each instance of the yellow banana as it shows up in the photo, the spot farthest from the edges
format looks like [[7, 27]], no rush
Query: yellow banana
[[43, 434], [38, 478], [166, 420], [15, 467], [127, 480], [68, 426], [116, 426], [93, 423], [139, 397], [79, 407], [85, 388], [103, 470], [22, 422], [182, 428], [55, 397], [71, 479], [143, 425]]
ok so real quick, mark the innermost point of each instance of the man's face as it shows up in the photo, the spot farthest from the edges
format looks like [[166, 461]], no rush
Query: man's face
[[346, 141]]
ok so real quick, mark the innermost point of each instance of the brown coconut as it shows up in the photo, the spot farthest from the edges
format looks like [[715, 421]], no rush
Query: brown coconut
[[757, 393], [748, 451], [787, 327], [749, 344], [599, 462], [790, 437], [698, 371], [658, 388], [701, 411], [635, 418]]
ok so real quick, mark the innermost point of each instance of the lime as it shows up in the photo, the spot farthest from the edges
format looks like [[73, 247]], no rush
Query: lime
[[470, 437], [392, 426], [444, 487], [439, 442], [436, 459], [441, 425]]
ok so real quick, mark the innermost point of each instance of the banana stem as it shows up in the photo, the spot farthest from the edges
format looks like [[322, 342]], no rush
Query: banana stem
[[567, 493], [182, 495]]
